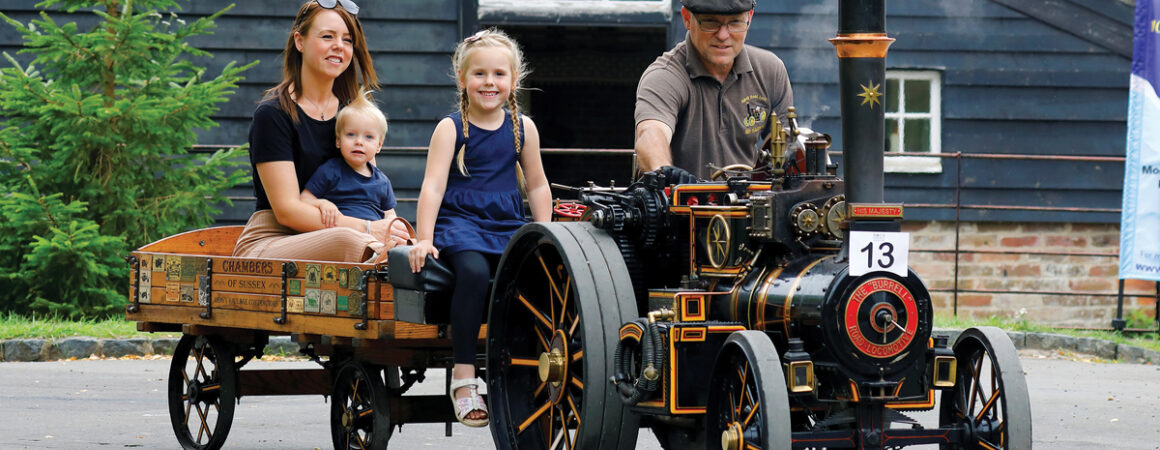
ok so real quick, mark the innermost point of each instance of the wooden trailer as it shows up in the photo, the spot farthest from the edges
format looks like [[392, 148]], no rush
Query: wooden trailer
[[342, 315]]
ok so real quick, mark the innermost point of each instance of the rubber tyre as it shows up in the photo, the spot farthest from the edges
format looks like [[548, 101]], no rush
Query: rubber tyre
[[748, 390], [360, 415], [203, 386], [563, 286], [990, 371]]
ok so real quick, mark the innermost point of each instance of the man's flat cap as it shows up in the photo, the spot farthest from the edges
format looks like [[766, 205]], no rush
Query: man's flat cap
[[719, 6]]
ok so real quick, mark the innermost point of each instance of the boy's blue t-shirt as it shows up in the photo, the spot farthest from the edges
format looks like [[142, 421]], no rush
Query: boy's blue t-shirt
[[354, 195]]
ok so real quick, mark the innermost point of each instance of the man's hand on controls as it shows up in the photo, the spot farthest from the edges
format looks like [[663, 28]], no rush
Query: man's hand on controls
[[677, 175]]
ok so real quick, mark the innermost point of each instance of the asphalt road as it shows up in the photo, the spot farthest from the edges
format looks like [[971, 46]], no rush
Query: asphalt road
[[122, 404]]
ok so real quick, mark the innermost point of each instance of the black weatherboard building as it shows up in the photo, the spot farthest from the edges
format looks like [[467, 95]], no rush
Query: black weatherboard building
[[1020, 77]]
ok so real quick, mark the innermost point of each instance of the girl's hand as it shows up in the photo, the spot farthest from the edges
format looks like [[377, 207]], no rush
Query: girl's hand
[[419, 253], [330, 213]]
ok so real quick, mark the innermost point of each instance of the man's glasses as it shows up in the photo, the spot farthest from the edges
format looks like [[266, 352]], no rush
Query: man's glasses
[[713, 26], [348, 5]]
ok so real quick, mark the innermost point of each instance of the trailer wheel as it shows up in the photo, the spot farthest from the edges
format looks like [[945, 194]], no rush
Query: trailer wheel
[[561, 294], [990, 394], [748, 405], [203, 387], [359, 413]]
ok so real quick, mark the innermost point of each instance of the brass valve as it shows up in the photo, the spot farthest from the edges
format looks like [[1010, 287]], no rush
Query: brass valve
[[663, 314], [651, 373]]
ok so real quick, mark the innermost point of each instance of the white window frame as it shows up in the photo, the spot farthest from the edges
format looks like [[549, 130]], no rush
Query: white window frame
[[907, 162]]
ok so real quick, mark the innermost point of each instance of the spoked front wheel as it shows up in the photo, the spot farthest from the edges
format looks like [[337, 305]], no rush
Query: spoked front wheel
[[560, 297], [203, 385], [748, 405], [990, 395], [359, 413]]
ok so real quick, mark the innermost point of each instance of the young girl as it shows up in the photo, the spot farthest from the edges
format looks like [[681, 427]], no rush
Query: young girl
[[292, 134], [470, 203]]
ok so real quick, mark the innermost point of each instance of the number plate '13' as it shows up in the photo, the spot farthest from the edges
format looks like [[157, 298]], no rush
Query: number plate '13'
[[879, 251]]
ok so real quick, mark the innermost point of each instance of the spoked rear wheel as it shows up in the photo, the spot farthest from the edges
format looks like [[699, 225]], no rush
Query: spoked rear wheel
[[561, 295], [990, 394], [359, 413], [203, 385], [748, 405]]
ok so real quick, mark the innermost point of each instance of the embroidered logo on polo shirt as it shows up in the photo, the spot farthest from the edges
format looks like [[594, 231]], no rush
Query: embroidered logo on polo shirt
[[757, 113]]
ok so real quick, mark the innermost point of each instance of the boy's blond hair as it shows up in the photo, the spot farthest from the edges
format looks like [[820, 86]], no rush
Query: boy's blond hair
[[363, 104]]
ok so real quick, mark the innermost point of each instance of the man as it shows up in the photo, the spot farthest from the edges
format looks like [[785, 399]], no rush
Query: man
[[708, 99]]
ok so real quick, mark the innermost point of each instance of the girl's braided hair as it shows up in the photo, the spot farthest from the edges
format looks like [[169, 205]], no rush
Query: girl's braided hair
[[490, 37]]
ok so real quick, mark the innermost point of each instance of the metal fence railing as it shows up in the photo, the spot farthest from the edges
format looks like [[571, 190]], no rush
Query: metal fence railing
[[1118, 323]]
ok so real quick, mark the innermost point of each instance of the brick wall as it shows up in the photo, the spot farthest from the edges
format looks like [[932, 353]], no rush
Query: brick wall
[[1043, 257]]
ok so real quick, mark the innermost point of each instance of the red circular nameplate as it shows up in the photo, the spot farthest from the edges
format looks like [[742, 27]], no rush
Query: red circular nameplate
[[858, 336]]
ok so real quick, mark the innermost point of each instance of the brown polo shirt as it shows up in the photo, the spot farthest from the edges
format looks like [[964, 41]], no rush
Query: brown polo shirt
[[714, 122]]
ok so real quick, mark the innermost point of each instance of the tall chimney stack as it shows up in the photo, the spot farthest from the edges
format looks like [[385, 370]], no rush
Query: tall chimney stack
[[861, 45]]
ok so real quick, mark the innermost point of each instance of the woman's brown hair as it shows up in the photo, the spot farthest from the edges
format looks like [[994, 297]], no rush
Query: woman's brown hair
[[347, 85]]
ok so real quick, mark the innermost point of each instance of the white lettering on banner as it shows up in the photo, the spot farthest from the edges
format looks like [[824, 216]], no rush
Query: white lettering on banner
[[1140, 214], [1140, 219]]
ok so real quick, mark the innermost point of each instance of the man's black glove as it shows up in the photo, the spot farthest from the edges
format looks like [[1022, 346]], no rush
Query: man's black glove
[[677, 175]]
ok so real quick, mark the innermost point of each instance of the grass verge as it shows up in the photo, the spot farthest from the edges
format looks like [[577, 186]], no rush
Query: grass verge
[[1149, 341], [17, 327]]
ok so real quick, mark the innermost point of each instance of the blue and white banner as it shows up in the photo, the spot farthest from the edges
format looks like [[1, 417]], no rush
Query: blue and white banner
[[1140, 221]]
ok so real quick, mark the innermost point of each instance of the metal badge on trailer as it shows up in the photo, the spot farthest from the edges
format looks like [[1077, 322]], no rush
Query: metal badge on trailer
[[313, 275]]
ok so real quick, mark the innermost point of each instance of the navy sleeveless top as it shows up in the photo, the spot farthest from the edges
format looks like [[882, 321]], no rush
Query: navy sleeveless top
[[482, 210]]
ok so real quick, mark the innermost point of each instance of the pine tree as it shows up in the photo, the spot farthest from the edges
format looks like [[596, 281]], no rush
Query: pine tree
[[95, 157]]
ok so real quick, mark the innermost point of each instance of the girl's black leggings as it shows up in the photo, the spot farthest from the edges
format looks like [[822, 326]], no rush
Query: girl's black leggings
[[472, 273]]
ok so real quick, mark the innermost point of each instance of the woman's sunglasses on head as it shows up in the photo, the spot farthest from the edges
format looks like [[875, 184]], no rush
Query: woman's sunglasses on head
[[348, 5]]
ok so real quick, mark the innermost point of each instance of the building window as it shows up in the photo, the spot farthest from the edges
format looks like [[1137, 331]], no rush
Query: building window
[[913, 121]]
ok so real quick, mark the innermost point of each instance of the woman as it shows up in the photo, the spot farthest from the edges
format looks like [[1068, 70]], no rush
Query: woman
[[325, 63]]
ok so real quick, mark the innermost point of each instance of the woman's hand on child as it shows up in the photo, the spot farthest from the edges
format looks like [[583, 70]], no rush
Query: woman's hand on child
[[330, 213], [399, 231], [419, 254], [396, 234]]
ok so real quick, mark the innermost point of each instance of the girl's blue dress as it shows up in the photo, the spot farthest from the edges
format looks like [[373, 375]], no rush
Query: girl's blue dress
[[481, 211]]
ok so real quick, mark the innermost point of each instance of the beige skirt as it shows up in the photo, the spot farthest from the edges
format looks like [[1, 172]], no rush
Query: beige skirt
[[264, 237]]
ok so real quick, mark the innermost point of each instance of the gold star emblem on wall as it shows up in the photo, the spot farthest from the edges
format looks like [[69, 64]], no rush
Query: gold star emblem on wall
[[870, 94]]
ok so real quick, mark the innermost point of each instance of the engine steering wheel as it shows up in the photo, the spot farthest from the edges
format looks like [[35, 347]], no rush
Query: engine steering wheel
[[719, 174]]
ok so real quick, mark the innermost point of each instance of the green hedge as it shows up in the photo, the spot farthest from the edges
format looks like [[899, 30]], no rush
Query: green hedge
[[94, 156]]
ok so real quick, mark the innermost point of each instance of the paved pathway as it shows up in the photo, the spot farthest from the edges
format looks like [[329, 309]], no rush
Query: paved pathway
[[89, 404]]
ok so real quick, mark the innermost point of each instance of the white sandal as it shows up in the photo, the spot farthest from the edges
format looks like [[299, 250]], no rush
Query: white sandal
[[466, 405]]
